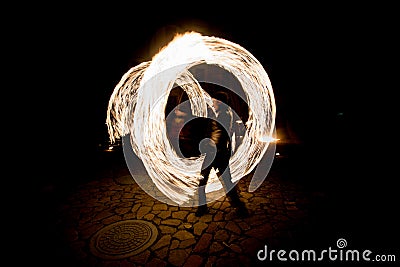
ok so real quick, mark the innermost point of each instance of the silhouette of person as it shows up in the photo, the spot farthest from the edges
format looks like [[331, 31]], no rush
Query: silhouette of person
[[214, 139]]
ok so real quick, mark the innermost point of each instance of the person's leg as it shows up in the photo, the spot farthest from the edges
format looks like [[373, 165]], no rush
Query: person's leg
[[202, 208], [207, 147], [230, 187]]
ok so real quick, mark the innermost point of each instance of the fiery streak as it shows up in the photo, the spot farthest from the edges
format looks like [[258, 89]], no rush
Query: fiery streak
[[137, 107]]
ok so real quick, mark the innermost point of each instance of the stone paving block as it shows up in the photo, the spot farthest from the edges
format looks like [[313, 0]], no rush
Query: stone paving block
[[148, 216], [216, 247], [199, 227], [162, 242], [172, 222], [174, 244], [141, 258], [112, 219], [164, 214], [211, 261], [221, 235], [206, 218], [194, 261], [160, 207], [192, 218], [235, 248], [179, 214], [135, 207], [167, 229], [177, 257], [162, 253], [219, 216], [213, 227], [203, 243], [142, 211], [129, 216], [148, 203], [157, 221], [233, 227], [121, 211], [183, 235], [187, 243]]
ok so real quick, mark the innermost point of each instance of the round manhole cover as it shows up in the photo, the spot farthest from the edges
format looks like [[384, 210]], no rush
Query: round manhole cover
[[123, 239]]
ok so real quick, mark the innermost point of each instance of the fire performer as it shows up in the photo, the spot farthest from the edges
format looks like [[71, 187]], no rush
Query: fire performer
[[214, 139]]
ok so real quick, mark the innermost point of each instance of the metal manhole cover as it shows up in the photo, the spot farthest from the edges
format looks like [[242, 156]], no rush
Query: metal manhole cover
[[123, 239]]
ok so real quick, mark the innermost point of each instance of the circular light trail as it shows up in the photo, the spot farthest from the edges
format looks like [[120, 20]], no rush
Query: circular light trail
[[137, 108]]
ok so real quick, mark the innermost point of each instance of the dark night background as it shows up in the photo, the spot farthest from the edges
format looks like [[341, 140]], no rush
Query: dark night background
[[329, 68]]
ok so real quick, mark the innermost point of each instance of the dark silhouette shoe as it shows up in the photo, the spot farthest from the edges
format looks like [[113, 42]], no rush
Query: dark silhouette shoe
[[201, 210]]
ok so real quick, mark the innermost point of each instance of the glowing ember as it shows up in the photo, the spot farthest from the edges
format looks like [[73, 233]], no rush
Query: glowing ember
[[137, 107]]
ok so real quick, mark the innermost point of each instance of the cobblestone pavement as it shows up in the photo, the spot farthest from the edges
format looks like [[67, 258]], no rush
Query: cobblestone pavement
[[279, 216]]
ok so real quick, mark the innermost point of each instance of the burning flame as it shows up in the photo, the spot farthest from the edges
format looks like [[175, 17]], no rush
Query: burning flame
[[137, 107]]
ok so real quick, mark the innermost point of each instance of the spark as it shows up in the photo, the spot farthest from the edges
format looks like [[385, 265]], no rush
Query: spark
[[137, 107]]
